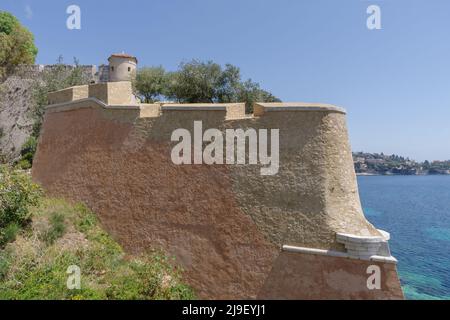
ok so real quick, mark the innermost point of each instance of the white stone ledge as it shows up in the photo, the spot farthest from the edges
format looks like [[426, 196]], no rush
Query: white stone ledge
[[193, 108], [298, 106], [333, 253], [365, 246], [358, 239]]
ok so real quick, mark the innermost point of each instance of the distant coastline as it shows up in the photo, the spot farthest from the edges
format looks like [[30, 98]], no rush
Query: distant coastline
[[379, 164]]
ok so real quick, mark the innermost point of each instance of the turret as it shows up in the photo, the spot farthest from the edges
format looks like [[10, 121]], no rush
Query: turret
[[122, 67]]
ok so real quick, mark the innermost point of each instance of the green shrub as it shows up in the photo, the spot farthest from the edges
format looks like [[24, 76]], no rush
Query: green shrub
[[56, 230], [9, 233], [27, 153], [149, 276], [4, 263], [17, 194]]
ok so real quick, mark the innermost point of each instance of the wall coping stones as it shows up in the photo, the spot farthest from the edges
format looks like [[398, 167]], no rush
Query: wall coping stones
[[261, 107], [194, 107], [333, 253], [344, 238]]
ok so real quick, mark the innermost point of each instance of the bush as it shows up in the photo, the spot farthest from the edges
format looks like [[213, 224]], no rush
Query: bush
[[27, 153], [56, 230], [17, 194], [9, 233]]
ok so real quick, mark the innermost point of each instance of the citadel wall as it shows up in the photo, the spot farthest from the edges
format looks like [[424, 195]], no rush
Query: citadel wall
[[35, 71], [298, 234]]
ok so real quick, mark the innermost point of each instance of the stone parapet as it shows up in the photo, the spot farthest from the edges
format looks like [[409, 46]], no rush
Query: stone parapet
[[68, 95], [113, 93], [261, 108]]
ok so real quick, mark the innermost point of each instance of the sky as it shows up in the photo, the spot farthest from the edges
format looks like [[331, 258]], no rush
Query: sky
[[394, 82]]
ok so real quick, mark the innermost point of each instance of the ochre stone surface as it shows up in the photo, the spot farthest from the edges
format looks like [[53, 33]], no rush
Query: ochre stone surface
[[225, 224], [306, 276]]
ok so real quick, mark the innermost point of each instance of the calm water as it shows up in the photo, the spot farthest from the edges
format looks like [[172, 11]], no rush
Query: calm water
[[416, 211]]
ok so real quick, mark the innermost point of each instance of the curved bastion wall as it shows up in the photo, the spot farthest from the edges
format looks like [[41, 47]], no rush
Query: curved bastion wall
[[299, 233]]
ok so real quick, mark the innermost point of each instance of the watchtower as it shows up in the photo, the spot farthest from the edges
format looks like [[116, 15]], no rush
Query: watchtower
[[122, 67]]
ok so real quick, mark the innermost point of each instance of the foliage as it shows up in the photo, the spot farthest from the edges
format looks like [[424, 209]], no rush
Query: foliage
[[251, 93], [17, 194], [16, 44], [33, 268], [9, 233], [27, 153], [57, 228], [151, 83], [198, 81]]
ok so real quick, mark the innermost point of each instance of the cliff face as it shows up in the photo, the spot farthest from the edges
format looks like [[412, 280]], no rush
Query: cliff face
[[17, 103], [227, 225], [16, 123]]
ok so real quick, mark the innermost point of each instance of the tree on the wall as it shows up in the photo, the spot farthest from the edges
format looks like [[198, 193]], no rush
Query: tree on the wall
[[198, 81], [151, 83]]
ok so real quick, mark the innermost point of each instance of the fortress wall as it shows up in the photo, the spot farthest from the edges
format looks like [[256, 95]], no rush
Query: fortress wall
[[314, 194], [69, 94], [112, 93], [36, 71], [225, 224], [338, 278]]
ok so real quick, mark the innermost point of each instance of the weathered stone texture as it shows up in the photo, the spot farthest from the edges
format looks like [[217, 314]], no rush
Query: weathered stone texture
[[16, 121], [225, 224]]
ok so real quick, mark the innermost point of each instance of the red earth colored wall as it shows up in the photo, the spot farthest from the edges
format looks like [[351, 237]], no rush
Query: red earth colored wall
[[119, 165]]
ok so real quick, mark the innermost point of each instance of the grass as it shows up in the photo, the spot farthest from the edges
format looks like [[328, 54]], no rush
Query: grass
[[56, 229], [60, 235]]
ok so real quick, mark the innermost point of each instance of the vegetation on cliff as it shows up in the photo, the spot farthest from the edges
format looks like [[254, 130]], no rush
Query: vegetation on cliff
[[43, 238], [16, 44]]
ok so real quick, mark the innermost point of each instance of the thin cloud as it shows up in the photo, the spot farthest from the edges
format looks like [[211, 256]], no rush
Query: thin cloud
[[28, 11]]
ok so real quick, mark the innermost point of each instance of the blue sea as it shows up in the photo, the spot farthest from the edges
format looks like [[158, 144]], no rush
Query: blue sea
[[416, 212]]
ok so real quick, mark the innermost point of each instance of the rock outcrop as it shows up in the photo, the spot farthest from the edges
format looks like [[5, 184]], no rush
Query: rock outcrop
[[16, 123]]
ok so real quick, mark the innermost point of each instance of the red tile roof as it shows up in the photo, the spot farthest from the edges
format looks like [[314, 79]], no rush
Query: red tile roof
[[123, 55]]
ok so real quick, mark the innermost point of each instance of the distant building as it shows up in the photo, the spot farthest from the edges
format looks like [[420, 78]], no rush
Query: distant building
[[375, 161]]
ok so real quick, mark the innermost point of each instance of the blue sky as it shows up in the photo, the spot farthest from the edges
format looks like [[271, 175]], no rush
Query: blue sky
[[394, 82]]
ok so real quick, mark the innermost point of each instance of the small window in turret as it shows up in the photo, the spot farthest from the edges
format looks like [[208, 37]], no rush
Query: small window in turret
[[112, 69], [129, 69]]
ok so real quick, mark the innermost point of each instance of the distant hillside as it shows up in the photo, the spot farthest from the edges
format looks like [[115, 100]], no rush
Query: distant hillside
[[381, 164]]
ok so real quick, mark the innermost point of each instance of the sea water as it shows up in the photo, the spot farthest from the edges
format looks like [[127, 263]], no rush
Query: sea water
[[416, 211]]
